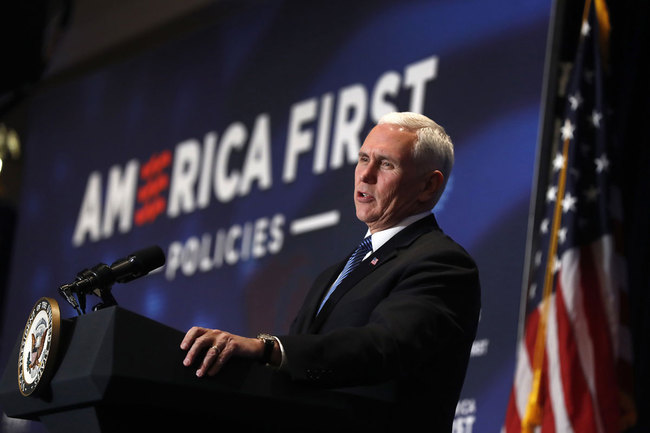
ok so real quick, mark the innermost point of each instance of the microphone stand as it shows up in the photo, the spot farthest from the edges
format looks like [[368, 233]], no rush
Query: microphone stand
[[102, 281]]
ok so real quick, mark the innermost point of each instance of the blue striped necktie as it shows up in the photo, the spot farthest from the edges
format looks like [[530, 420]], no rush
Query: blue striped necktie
[[357, 256]]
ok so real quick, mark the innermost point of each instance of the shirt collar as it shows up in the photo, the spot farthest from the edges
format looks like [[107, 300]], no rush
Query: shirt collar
[[381, 237]]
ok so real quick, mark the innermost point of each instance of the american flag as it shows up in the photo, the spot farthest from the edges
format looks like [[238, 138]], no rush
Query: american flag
[[574, 354]]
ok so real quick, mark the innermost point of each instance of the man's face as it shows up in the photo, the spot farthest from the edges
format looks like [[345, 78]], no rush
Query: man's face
[[388, 185]]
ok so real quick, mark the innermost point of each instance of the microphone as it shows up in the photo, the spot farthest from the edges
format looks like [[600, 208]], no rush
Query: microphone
[[99, 279]]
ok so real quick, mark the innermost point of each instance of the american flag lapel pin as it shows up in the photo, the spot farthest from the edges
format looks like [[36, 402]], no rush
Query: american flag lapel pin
[[374, 261]]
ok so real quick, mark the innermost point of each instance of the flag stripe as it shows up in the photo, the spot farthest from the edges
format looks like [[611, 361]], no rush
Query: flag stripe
[[573, 302], [603, 351], [576, 380], [554, 355], [609, 278], [524, 374]]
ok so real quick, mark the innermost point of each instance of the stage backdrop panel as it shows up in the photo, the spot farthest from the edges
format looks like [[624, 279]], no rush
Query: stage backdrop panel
[[233, 148]]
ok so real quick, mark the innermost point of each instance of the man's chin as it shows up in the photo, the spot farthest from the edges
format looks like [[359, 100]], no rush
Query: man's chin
[[368, 218], [364, 217]]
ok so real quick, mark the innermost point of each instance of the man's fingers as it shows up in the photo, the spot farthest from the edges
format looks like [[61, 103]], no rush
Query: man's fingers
[[222, 355], [215, 348], [191, 335], [194, 342], [210, 359], [217, 355]]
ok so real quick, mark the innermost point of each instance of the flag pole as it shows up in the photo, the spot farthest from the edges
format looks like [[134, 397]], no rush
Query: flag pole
[[533, 415]]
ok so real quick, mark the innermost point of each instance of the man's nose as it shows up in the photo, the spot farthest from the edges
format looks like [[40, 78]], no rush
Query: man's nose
[[367, 173]]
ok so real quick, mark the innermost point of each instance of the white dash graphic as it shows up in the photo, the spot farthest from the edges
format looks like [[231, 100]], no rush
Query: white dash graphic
[[315, 222]]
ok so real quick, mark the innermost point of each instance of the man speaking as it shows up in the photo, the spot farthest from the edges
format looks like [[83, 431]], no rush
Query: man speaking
[[402, 310]]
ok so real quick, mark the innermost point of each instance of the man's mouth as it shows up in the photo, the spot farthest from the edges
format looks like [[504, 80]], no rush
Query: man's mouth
[[364, 195]]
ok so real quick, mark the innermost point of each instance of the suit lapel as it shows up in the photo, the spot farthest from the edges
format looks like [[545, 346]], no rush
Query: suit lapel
[[313, 299], [383, 255]]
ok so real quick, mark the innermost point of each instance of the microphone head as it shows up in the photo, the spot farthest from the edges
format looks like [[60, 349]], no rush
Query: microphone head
[[138, 264], [148, 259]]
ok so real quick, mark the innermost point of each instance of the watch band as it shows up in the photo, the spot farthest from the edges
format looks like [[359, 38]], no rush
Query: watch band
[[269, 343]]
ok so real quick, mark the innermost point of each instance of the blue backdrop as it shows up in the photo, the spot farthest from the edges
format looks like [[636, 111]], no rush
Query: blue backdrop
[[234, 147]]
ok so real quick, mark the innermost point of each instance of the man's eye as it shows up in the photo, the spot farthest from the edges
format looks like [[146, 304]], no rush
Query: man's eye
[[387, 164]]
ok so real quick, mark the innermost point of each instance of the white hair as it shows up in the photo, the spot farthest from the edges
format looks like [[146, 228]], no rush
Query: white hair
[[433, 149]]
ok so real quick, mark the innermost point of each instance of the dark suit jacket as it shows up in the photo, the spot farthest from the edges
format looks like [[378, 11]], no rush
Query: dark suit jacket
[[405, 318]]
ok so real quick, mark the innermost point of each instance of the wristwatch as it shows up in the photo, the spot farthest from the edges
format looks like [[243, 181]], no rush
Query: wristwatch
[[269, 343]]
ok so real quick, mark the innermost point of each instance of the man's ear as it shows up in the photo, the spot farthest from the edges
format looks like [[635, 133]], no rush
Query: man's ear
[[432, 184]]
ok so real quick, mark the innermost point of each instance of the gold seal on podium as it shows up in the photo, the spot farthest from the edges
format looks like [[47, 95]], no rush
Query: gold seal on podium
[[38, 347]]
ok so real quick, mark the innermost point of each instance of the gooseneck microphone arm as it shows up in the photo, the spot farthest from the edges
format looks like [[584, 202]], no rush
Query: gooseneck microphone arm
[[99, 279]]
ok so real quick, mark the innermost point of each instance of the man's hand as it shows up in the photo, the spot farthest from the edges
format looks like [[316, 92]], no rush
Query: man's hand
[[217, 347]]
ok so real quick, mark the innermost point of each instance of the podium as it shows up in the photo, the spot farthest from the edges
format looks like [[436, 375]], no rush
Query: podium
[[121, 372]]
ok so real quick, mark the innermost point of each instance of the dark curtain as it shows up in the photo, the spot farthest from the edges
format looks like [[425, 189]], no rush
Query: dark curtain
[[630, 99]]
